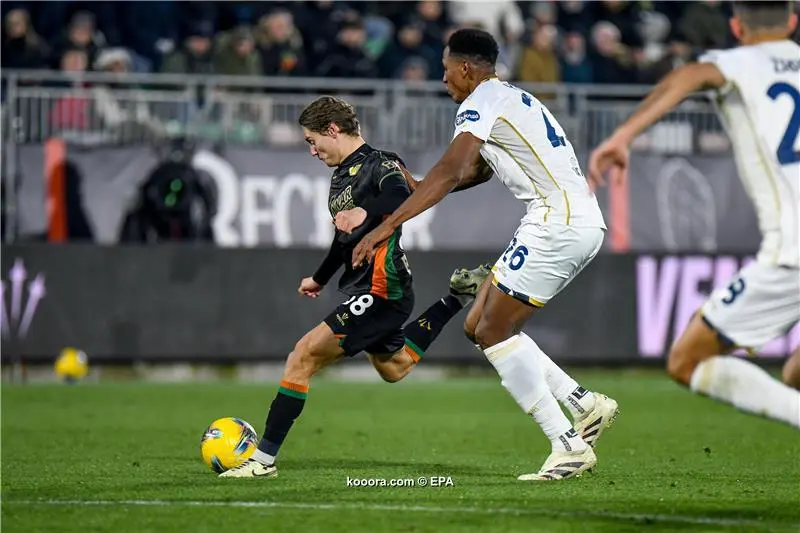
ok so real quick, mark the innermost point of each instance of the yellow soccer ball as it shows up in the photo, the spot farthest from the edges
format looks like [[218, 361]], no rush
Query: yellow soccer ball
[[227, 443], [71, 364]]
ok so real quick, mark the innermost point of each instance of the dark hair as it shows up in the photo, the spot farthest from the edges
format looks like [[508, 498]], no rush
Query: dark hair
[[327, 110], [476, 45], [763, 14]]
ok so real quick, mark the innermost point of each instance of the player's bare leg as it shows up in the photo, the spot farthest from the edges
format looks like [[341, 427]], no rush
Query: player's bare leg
[[791, 370], [698, 361], [592, 412], [394, 367], [522, 375], [474, 315], [317, 349]]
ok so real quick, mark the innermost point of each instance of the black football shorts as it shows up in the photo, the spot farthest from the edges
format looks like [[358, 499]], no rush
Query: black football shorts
[[370, 323]]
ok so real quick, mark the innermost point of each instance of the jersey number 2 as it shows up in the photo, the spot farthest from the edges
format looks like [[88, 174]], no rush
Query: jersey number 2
[[787, 155]]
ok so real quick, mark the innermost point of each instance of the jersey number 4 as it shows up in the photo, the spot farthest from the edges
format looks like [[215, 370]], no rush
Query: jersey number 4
[[787, 155], [555, 139]]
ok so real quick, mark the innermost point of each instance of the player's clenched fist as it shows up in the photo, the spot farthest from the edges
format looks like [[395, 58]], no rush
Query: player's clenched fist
[[349, 219], [309, 287]]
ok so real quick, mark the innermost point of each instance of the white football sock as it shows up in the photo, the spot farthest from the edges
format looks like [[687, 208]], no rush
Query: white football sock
[[523, 378], [747, 387], [575, 398], [263, 457]]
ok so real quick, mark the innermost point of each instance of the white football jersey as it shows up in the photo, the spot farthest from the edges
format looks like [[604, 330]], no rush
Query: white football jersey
[[760, 109], [527, 149]]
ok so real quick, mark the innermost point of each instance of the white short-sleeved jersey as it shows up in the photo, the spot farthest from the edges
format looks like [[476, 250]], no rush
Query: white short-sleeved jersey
[[527, 149], [760, 109]]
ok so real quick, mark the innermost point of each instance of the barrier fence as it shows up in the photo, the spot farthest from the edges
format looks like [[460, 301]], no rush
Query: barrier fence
[[97, 108], [193, 303]]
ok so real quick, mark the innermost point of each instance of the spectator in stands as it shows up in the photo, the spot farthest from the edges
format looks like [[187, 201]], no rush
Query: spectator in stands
[[236, 54], [72, 112], [502, 18], [654, 29], [704, 25], [74, 61], [613, 62], [115, 112], [409, 43], [574, 16], [539, 63], [195, 57], [22, 47], [81, 34], [623, 15], [347, 59], [544, 14], [678, 53], [319, 23], [635, 51], [575, 65], [434, 19], [280, 45], [414, 69], [198, 16]]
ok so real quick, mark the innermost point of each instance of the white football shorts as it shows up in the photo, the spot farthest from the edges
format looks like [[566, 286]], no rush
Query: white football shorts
[[543, 259], [761, 303]]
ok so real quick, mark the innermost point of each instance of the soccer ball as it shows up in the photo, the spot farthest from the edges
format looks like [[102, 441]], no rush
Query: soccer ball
[[227, 443], [71, 365]]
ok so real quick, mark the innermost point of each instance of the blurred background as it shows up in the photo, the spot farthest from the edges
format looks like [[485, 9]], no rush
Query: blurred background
[[159, 205]]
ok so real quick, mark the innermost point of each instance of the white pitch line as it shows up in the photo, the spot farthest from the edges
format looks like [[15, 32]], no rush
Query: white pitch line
[[408, 508]]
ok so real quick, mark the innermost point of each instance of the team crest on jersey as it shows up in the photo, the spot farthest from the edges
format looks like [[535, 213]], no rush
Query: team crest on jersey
[[354, 169], [469, 114]]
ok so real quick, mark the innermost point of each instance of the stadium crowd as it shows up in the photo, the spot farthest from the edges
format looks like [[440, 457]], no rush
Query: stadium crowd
[[573, 41]]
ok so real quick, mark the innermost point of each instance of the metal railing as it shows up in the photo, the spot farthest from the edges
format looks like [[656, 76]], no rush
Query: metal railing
[[105, 110], [101, 108]]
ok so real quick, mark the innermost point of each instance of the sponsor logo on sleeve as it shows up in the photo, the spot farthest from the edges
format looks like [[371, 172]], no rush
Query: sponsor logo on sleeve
[[468, 115]]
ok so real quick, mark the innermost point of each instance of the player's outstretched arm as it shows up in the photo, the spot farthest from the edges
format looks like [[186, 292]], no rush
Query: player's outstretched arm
[[456, 167], [671, 91]]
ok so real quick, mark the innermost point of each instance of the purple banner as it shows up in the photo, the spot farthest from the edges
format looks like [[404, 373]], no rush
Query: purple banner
[[670, 289]]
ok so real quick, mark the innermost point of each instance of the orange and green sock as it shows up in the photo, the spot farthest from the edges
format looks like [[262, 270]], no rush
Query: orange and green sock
[[285, 408]]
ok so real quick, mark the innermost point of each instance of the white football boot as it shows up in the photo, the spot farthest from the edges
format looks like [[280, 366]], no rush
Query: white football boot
[[563, 465], [591, 425], [251, 468]]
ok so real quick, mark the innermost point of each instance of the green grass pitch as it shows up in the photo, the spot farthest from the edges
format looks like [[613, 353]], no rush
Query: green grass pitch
[[124, 457]]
